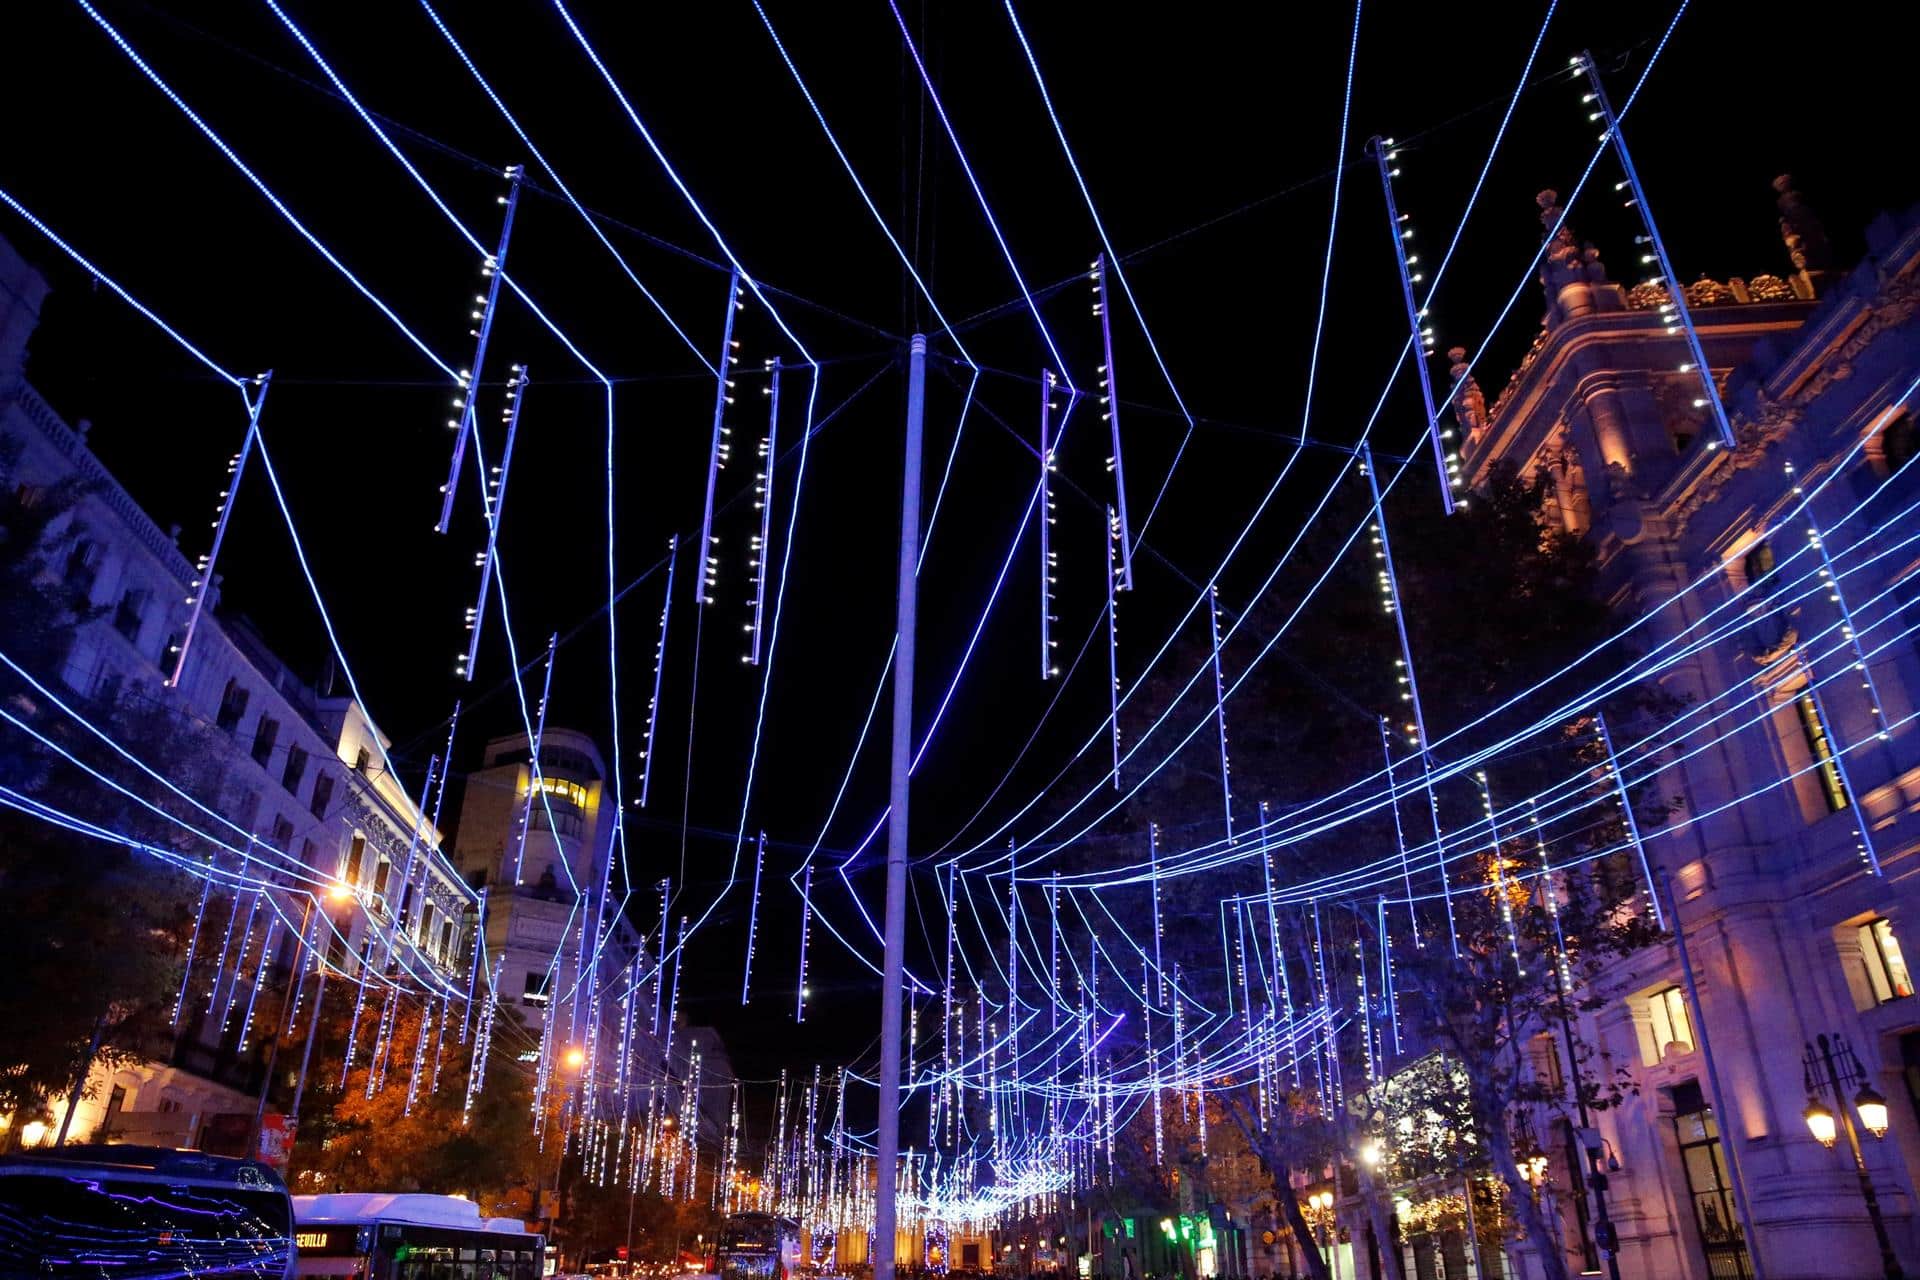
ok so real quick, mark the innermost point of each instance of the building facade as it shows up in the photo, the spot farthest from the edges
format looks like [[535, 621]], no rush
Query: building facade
[[1794, 933], [312, 838]]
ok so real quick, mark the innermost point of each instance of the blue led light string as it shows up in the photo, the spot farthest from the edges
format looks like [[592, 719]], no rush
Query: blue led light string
[[1046, 517], [495, 497], [763, 499], [753, 915], [1116, 538], [720, 449], [659, 667], [492, 267], [1675, 310], [1110, 400], [1421, 334], [1512, 298], [560, 183], [207, 564]]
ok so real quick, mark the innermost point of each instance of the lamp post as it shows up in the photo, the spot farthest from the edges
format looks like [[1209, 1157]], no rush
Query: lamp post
[[1829, 1069], [1320, 1218]]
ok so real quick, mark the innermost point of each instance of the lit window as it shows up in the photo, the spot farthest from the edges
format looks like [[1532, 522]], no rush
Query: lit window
[[1885, 963], [1668, 1025], [1820, 745], [566, 792]]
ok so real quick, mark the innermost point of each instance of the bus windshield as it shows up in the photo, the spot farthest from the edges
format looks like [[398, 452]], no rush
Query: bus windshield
[[135, 1229]]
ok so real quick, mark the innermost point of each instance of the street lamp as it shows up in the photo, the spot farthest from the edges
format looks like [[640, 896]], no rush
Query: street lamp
[[1371, 1153], [1830, 1068]]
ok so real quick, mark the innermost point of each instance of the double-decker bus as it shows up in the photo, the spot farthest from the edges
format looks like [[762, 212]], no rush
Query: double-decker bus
[[122, 1212], [411, 1237], [757, 1246]]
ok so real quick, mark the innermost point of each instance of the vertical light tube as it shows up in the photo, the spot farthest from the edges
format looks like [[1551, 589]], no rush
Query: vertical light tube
[[1633, 823], [1220, 706], [763, 500], [1410, 691], [203, 579], [1420, 333], [717, 454], [1676, 312], [495, 494], [806, 922], [1110, 403], [1399, 831], [534, 779], [1838, 596], [659, 666], [1045, 516], [491, 270], [1499, 872], [1116, 534], [753, 914]]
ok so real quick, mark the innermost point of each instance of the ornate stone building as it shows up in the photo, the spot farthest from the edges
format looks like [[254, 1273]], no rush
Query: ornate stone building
[[298, 771], [1785, 805]]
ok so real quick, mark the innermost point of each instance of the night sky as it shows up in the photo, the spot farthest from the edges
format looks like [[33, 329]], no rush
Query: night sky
[[1206, 137]]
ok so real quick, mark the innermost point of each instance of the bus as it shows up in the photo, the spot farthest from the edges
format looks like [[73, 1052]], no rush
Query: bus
[[123, 1212], [411, 1237], [758, 1246]]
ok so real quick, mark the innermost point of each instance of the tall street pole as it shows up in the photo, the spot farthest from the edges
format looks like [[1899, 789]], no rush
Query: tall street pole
[[893, 969]]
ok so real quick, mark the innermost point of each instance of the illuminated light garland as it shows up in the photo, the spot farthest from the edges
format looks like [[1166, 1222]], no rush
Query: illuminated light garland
[[226, 948], [259, 973], [1409, 682], [1388, 994], [494, 499], [492, 267], [473, 974], [1678, 317], [193, 943], [717, 454], [1448, 472], [1498, 876], [806, 929], [1116, 536], [204, 568], [1365, 1005], [1219, 706], [659, 667], [1049, 563], [359, 1006], [1273, 945], [1110, 412], [753, 914], [666, 898], [419, 1058], [1399, 830], [1633, 823], [763, 502], [1551, 897], [534, 778], [1836, 595]]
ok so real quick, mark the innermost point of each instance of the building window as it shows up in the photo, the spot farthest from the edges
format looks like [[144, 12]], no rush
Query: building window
[[264, 735], [1820, 745], [447, 955], [1899, 442], [1885, 963], [1708, 1184], [296, 769], [129, 614], [233, 705], [535, 991], [1668, 1025], [83, 565], [1758, 567], [282, 836], [362, 759], [381, 873], [322, 795], [356, 854]]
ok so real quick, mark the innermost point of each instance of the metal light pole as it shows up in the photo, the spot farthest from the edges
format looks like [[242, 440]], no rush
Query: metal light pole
[[887, 1143], [1830, 1068]]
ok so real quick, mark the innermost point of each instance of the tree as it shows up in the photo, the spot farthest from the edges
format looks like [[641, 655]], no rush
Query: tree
[[1504, 622], [350, 1141], [103, 922]]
